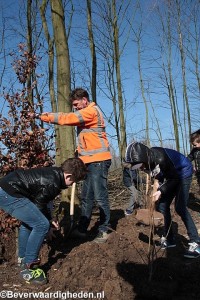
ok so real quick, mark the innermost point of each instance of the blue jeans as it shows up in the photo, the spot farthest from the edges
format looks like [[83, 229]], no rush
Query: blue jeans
[[95, 189], [181, 194], [133, 197], [34, 225]]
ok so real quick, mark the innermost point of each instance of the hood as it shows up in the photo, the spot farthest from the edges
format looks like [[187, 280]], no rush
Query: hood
[[138, 153]]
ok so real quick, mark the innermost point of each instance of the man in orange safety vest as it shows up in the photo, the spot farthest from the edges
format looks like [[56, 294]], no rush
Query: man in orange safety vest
[[93, 149]]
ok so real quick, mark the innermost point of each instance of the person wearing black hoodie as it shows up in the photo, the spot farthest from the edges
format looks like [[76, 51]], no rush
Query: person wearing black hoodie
[[174, 171]]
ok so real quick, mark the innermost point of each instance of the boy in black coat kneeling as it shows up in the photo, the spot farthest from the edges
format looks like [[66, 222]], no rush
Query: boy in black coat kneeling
[[25, 194]]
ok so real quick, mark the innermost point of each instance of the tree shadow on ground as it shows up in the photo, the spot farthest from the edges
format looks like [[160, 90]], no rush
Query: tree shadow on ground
[[194, 203], [170, 278], [179, 239]]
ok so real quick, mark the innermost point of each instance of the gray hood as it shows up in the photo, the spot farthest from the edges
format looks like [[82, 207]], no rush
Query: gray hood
[[137, 153]]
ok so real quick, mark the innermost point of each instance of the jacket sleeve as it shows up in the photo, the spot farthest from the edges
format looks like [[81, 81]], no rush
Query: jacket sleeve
[[78, 118], [61, 118], [168, 186]]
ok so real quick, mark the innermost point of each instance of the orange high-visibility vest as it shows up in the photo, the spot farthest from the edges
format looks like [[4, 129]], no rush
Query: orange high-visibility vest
[[93, 144]]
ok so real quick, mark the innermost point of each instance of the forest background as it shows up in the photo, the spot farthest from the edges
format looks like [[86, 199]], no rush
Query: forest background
[[139, 61]]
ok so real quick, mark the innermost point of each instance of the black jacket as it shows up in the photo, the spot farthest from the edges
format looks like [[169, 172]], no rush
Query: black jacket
[[195, 156], [174, 166], [39, 185]]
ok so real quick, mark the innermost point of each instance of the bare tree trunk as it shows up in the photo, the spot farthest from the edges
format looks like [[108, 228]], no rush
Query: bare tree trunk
[[30, 49], [170, 84], [183, 68], [138, 39], [122, 145], [155, 119], [63, 77], [93, 52], [50, 42], [167, 70], [142, 89]]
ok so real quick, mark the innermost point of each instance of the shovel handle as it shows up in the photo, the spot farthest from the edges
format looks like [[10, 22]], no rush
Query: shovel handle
[[155, 188], [147, 184], [72, 199]]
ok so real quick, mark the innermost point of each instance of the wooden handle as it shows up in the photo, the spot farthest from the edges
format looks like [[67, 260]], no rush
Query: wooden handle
[[147, 184], [155, 187], [72, 199]]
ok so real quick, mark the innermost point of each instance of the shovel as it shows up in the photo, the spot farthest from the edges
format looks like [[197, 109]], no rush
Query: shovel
[[72, 207]]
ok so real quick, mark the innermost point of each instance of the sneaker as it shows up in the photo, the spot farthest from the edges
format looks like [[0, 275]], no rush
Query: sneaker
[[101, 237], [34, 276], [164, 244], [22, 265], [128, 212], [193, 251], [78, 234]]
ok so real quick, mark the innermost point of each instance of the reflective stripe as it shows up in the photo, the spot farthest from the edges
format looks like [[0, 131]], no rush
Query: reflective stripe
[[91, 152], [56, 115], [79, 116], [99, 115], [79, 130], [99, 130]]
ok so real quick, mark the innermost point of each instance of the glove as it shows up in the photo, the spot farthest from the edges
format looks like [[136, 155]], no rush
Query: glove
[[156, 196]]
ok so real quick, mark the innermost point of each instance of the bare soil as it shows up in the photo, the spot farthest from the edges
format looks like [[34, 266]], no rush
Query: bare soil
[[125, 267]]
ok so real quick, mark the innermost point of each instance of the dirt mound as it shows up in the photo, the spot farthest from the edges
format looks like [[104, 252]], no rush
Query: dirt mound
[[127, 266]]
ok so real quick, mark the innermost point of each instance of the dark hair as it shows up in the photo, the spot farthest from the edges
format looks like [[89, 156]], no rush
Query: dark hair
[[76, 167], [78, 94], [195, 136]]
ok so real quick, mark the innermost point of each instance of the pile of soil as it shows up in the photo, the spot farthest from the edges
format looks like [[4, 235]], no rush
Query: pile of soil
[[127, 266]]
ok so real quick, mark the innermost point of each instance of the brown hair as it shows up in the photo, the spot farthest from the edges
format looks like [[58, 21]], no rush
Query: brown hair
[[78, 94], [195, 137], [76, 167]]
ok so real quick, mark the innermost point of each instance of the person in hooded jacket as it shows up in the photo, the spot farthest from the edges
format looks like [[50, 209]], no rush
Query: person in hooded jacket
[[25, 195], [175, 171]]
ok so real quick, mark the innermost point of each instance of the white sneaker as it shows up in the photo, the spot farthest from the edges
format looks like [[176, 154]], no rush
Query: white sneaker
[[193, 251], [101, 237]]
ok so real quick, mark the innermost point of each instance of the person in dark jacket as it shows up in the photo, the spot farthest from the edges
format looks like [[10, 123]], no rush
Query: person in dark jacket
[[195, 154], [25, 195], [132, 181], [176, 172]]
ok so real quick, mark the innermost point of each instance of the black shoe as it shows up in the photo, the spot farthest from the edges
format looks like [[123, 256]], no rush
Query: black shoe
[[78, 234]]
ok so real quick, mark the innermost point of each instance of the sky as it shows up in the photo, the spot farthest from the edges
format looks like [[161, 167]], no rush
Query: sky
[[13, 20]]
